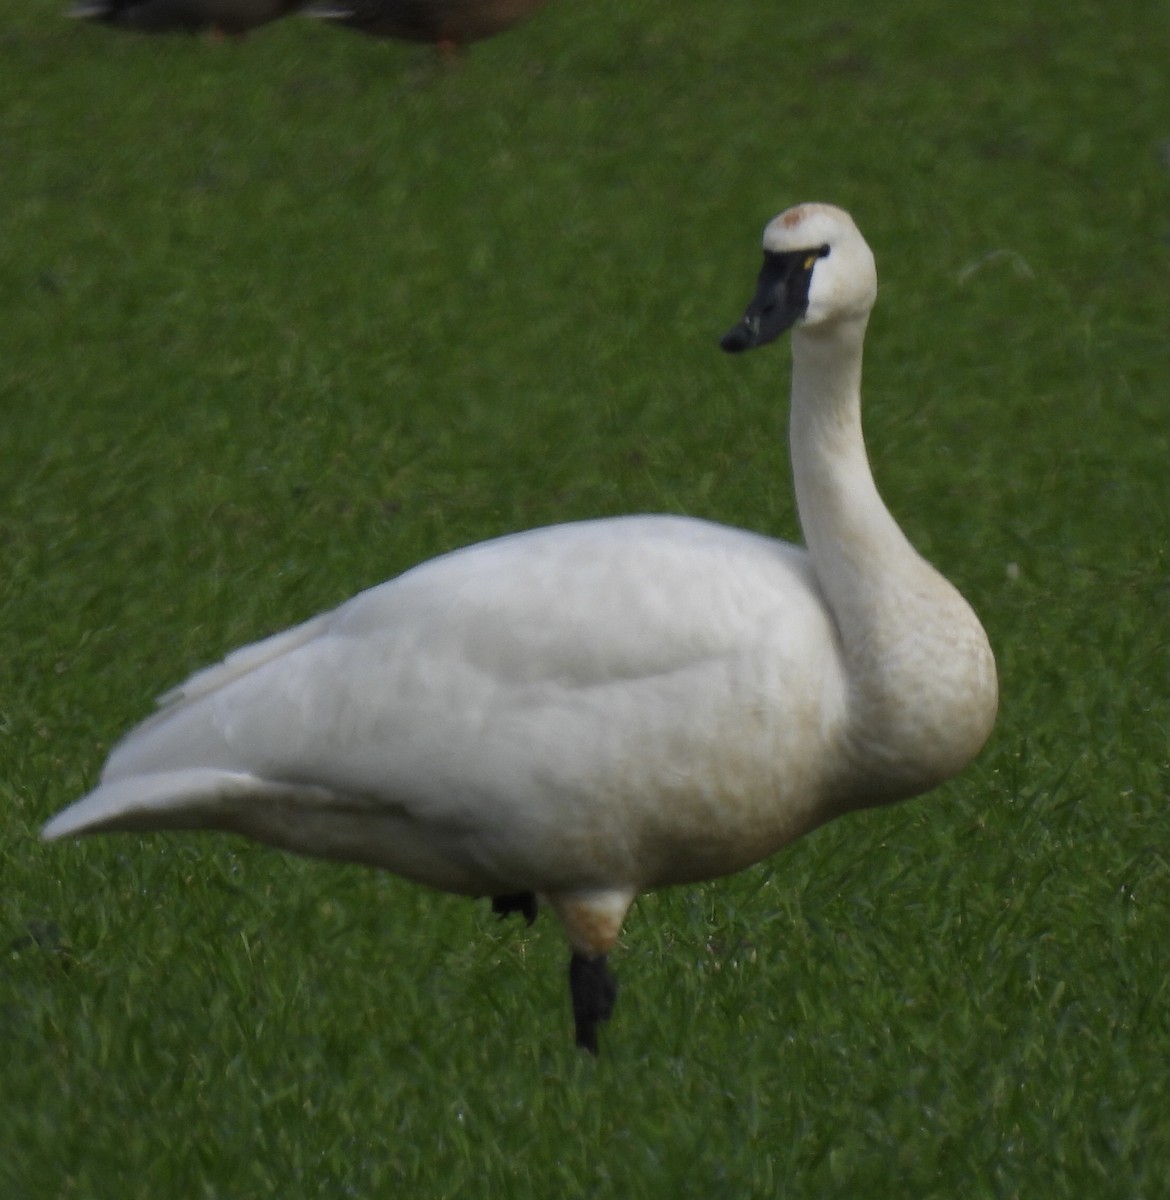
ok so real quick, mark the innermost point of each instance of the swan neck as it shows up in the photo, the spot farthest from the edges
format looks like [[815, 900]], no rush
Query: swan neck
[[921, 676], [846, 526]]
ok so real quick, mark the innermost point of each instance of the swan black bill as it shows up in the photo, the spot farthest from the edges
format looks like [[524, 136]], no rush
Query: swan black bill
[[780, 301]]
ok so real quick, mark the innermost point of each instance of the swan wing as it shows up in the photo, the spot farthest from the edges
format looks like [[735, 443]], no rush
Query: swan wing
[[497, 711]]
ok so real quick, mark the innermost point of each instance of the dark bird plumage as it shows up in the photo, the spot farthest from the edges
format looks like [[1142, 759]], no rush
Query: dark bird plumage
[[184, 16], [448, 24]]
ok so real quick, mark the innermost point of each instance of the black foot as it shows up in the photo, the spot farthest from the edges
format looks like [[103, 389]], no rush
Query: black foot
[[521, 902], [594, 991]]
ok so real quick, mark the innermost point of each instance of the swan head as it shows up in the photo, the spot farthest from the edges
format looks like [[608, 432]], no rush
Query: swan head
[[817, 272]]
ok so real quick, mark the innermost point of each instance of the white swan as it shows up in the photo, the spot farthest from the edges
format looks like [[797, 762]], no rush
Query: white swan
[[587, 711]]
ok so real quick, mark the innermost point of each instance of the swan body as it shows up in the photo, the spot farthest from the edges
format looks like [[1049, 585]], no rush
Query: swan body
[[189, 16], [587, 711], [446, 23]]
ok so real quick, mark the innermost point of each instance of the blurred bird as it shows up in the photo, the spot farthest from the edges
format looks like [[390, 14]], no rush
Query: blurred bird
[[448, 24], [222, 17]]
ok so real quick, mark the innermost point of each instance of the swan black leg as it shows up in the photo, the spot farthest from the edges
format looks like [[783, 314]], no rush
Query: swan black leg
[[521, 902], [594, 991]]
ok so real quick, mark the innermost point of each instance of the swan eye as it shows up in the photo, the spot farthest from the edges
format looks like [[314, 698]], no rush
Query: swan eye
[[813, 255]]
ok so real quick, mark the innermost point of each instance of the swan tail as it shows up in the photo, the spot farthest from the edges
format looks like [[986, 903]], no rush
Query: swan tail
[[191, 798]]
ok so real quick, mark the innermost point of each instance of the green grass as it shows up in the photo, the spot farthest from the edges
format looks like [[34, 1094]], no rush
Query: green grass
[[281, 318]]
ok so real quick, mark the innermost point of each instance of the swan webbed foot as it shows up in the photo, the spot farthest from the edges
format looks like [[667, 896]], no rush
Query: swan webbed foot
[[524, 903], [594, 992]]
